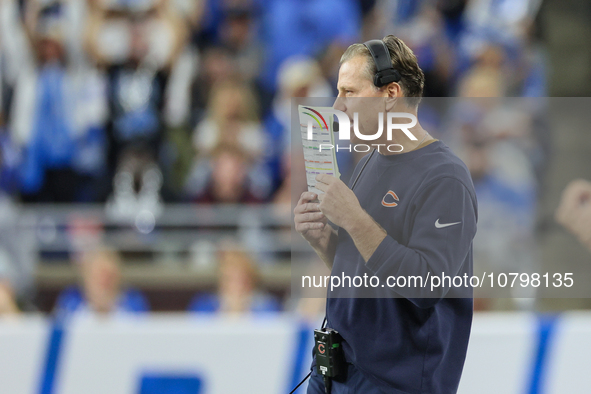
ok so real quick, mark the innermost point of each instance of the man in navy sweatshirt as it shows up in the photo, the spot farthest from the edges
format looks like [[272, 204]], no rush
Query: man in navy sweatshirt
[[411, 213]]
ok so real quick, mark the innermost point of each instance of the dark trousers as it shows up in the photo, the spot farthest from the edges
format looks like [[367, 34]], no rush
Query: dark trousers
[[355, 383]]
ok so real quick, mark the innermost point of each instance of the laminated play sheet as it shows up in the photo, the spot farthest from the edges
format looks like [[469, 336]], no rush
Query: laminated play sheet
[[318, 141]]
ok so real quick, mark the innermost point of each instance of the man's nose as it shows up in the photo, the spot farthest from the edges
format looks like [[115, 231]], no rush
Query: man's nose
[[340, 104]]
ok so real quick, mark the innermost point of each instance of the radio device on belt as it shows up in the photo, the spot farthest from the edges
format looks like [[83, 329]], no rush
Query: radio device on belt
[[328, 352]]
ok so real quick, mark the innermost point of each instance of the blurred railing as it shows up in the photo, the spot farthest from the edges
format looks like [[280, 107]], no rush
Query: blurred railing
[[174, 248], [177, 230]]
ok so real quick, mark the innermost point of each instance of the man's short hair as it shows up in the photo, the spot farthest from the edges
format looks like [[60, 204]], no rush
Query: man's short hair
[[403, 59]]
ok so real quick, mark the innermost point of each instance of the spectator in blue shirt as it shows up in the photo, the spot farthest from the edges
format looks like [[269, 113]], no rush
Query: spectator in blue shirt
[[238, 290], [101, 291]]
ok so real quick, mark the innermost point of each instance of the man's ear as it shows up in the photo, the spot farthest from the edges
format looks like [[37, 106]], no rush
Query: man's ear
[[394, 91]]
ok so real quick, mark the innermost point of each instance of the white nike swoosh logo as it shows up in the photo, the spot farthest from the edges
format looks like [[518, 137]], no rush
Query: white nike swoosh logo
[[439, 225]]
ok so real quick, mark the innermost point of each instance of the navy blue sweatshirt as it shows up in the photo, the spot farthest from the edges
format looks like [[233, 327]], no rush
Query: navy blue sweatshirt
[[409, 340]]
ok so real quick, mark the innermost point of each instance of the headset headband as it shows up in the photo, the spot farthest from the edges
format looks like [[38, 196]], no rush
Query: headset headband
[[381, 57]]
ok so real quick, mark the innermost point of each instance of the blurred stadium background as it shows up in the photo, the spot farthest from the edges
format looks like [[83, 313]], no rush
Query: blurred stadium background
[[146, 191]]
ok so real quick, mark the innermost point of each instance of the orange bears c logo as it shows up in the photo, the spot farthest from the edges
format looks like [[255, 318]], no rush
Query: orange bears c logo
[[390, 199], [321, 349]]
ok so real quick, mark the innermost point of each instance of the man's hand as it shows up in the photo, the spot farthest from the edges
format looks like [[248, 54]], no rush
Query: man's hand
[[309, 220], [311, 223], [338, 203], [574, 211]]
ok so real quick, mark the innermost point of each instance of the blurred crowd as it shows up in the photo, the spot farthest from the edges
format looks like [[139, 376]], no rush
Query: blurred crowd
[[142, 102], [188, 100]]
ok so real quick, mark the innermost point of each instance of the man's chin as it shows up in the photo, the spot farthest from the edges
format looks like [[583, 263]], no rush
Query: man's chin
[[356, 140]]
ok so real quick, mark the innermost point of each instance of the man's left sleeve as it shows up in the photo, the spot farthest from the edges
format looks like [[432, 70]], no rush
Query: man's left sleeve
[[443, 225]]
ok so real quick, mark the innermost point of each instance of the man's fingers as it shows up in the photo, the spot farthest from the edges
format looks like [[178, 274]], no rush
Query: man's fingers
[[310, 217], [307, 207], [321, 186], [307, 197], [301, 227], [307, 214]]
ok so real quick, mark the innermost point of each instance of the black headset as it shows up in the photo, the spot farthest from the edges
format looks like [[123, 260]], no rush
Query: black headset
[[381, 57]]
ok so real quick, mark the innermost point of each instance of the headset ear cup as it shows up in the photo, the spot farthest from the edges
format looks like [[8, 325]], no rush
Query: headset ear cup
[[377, 80], [385, 77], [381, 57]]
